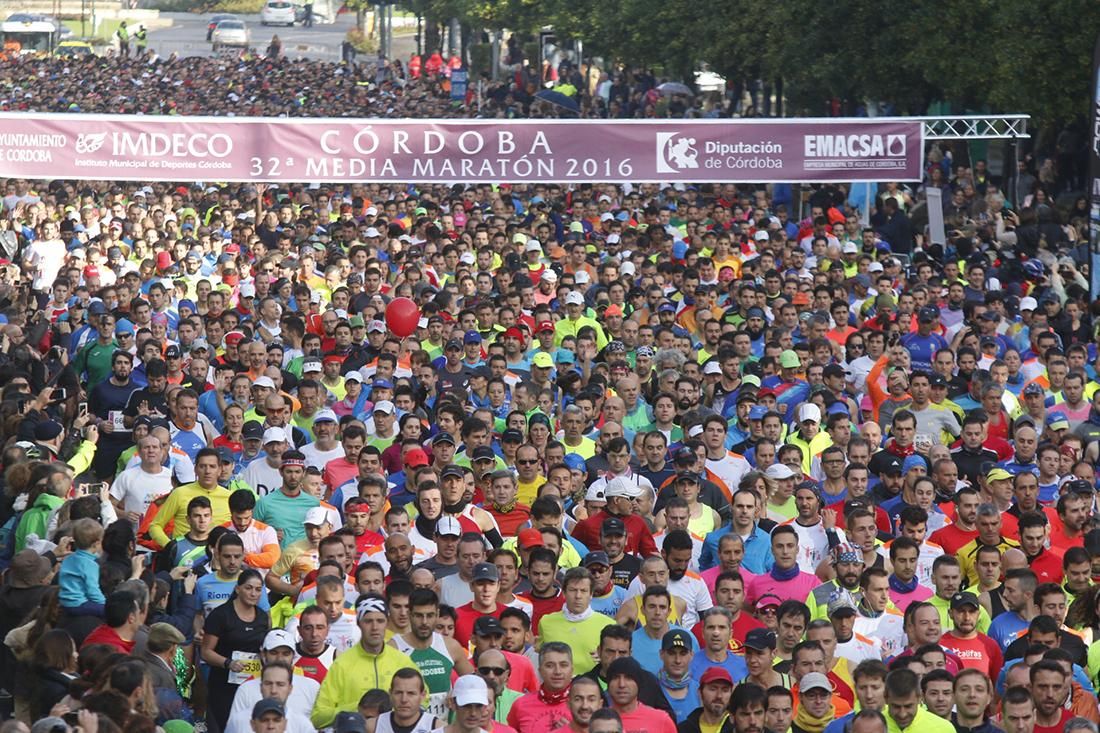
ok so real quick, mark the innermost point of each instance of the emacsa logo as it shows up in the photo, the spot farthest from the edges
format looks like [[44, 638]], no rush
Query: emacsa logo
[[895, 145], [676, 153]]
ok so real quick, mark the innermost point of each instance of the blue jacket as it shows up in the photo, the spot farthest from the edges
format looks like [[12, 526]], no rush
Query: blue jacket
[[79, 580], [758, 550]]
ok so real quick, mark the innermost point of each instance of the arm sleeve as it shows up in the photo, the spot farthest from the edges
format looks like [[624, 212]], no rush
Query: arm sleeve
[[324, 708], [164, 514], [874, 389], [269, 553]]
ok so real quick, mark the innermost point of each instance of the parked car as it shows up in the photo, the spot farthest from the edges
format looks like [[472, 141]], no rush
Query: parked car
[[214, 20], [230, 33], [278, 12], [75, 49]]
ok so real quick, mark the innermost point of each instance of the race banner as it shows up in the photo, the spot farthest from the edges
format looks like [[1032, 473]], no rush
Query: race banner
[[121, 147]]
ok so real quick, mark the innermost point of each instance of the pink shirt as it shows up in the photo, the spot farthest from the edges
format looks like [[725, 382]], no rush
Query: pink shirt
[[529, 714], [796, 589], [644, 719], [710, 577], [902, 600]]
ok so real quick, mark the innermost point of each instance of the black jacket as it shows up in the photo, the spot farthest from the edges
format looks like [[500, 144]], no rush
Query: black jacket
[[649, 690], [691, 725]]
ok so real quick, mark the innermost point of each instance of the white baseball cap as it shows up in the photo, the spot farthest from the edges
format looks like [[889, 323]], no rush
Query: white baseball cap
[[574, 298], [353, 376], [533, 245], [448, 527], [263, 381], [325, 416], [316, 516], [311, 365], [247, 290], [581, 277], [384, 406], [779, 471], [469, 689], [371, 233], [1028, 304], [809, 411], [622, 486], [274, 435], [277, 638]]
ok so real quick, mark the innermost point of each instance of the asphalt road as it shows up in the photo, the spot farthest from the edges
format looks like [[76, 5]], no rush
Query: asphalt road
[[187, 37]]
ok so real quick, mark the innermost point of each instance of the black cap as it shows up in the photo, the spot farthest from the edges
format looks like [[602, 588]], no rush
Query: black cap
[[928, 313], [613, 526], [268, 705], [596, 557], [488, 626], [892, 466], [452, 470], [761, 639], [687, 477], [455, 344], [676, 639], [486, 571], [347, 722], [443, 437], [484, 453], [252, 430], [511, 436], [683, 454], [172, 352], [961, 600], [225, 455], [937, 380]]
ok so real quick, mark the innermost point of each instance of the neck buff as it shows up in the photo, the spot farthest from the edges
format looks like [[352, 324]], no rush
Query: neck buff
[[783, 575], [553, 698], [505, 508], [576, 617], [673, 684], [425, 526], [455, 509], [810, 724], [899, 586]]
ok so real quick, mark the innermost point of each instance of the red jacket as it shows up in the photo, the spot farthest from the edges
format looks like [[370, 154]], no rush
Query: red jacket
[[639, 540]]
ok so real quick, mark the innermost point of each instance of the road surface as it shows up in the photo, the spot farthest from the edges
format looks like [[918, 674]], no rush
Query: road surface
[[187, 37]]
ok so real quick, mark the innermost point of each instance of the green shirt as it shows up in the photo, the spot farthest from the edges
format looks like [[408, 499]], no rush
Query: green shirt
[[583, 637], [286, 513], [95, 360]]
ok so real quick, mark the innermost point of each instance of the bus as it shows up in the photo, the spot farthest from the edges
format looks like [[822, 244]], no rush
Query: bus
[[23, 35]]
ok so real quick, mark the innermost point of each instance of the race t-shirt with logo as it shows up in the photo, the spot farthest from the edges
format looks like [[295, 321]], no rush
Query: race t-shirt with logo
[[435, 665]]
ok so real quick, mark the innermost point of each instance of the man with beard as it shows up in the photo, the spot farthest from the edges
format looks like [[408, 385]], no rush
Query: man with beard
[[585, 698], [903, 709], [975, 649], [747, 707], [106, 401], [1049, 691], [848, 566], [617, 642], [434, 654]]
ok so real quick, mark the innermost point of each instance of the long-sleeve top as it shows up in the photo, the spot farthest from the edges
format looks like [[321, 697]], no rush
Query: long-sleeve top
[[79, 580]]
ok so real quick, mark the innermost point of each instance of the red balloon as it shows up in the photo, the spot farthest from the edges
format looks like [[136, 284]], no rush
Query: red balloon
[[402, 317]]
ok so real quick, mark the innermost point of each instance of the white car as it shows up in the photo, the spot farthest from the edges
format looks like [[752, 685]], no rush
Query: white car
[[230, 33], [278, 12]]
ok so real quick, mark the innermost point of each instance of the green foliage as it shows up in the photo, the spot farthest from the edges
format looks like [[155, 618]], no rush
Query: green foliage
[[1005, 55]]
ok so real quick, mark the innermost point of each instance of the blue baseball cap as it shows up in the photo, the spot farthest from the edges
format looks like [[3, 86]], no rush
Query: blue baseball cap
[[913, 462], [757, 412], [124, 326], [575, 463], [472, 337], [381, 384]]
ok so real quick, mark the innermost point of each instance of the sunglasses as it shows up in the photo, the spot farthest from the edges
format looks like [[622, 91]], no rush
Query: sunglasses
[[496, 671], [527, 463]]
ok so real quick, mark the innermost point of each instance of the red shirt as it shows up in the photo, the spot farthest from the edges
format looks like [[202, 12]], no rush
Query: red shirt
[[367, 540], [529, 714], [464, 626], [104, 634], [639, 540], [543, 606], [743, 624], [951, 538], [981, 652], [316, 667], [1059, 727], [1047, 566], [882, 520], [509, 523]]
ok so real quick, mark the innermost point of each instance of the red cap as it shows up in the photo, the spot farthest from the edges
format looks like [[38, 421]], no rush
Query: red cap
[[515, 333], [715, 674], [91, 271], [234, 337], [231, 249], [164, 260], [766, 392], [613, 310], [417, 457], [338, 358], [530, 537], [544, 327]]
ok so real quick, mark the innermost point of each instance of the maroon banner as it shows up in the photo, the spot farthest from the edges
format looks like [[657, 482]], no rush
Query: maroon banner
[[527, 151]]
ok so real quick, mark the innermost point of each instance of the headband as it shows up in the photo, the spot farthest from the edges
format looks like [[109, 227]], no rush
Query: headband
[[293, 462], [370, 604]]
